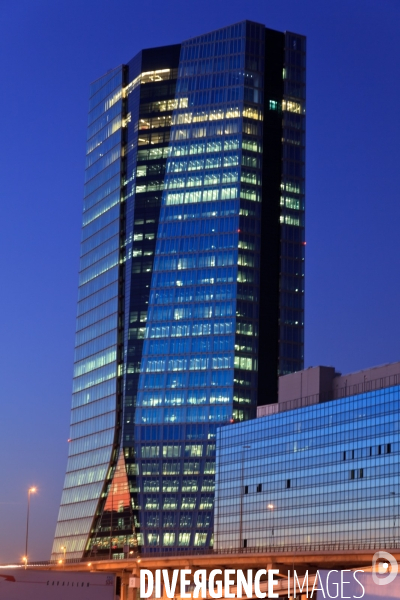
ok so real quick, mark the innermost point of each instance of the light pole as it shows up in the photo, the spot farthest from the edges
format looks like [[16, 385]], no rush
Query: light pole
[[64, 549], [393, 495], [271, 508], [241, 498], [32, 490]]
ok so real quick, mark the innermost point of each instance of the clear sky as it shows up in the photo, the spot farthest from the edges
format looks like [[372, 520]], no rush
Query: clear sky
[[50, 52]]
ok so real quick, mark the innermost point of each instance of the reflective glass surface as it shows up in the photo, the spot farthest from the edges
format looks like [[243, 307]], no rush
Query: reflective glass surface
[[291, 334], [94, 403], [326, 475], [191, 276], [115, 529], [151, 74], [193, 363]]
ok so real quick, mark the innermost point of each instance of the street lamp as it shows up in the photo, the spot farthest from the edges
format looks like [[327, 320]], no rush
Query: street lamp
[[393, 495], [32, 490], [241, 498], [271, 508], [64, 549]]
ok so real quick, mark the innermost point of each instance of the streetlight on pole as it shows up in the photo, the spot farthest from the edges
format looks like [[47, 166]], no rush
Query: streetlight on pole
[[393, 495], [64, 549], [271, 508], [241, 498], [32, 490]]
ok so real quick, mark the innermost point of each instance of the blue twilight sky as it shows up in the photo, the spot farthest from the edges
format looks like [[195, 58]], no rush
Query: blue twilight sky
[[50, 52]]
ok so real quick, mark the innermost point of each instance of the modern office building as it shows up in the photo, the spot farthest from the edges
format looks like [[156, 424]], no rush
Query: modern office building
[[191, 281], [319, 471]]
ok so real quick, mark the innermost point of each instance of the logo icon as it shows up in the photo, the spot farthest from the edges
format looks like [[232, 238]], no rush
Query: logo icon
[[381, 575]]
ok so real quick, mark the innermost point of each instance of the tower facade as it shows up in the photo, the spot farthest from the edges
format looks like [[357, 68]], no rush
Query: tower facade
[[191, 290]]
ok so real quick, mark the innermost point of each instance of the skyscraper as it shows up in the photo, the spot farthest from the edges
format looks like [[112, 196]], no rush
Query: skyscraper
[[191, 280]]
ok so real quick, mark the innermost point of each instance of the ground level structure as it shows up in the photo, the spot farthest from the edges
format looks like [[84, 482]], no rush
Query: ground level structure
[[300, 561]]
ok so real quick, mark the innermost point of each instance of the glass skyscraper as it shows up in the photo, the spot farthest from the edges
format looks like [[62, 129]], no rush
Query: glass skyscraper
[[191, 285]]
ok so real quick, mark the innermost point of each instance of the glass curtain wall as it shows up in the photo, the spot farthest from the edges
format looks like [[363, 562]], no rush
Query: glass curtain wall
[[191, 279], [95, 389], [150, 100], [325, 476], [281, 329], [154, 102], [291, 354], [189, 356]]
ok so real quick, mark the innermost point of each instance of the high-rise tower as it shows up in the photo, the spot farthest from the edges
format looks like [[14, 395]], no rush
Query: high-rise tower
[[191, 285]]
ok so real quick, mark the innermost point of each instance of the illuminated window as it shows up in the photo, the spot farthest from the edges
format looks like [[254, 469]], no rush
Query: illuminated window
[[169, 539], [170, 502], [194, 450], [188, 502], [152, 539], [200, 539], [294, 107], [290, 220], [274, 105], [184, 539]]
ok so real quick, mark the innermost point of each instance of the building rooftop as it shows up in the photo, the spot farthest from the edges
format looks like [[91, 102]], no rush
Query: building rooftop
[[322, 384]]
